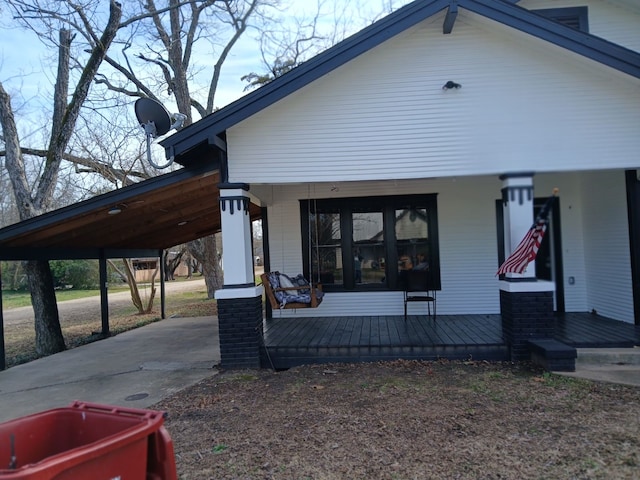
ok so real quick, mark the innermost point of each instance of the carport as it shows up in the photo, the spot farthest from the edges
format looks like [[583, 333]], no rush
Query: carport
[[139, 220]]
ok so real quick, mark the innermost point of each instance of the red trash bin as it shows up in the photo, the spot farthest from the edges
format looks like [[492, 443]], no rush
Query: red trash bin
[[87, 441]]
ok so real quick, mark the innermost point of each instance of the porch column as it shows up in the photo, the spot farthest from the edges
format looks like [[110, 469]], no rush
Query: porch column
[[239, 301], [526, 304]]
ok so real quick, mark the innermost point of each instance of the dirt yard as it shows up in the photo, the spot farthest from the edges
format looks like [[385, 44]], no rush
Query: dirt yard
[[405, 420]]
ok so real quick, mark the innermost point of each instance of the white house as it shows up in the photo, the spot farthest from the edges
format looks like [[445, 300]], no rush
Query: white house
[[461, 116]]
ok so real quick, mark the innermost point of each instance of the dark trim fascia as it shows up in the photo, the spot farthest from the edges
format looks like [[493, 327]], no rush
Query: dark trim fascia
[[62, 253], [233, 186], [503, 11], [555, 246], [585, 44], [106, 200], [504, 176], [316, 67], [266, 260], [218, 142], [450, 18], [239, 285], [632, 183]]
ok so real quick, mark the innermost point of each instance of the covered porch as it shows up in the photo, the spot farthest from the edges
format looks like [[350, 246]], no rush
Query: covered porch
[[293, 341]]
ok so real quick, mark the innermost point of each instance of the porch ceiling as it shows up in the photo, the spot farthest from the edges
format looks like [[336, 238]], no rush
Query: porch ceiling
[[158, 213]]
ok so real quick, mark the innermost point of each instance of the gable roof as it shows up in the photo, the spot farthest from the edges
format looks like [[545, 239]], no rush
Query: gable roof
[[208, 129]]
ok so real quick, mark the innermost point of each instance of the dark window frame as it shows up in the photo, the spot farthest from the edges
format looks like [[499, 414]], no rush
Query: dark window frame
[[388, 205], [567, 16]]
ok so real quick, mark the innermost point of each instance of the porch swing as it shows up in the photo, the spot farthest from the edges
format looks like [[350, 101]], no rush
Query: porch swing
[[285, 292]]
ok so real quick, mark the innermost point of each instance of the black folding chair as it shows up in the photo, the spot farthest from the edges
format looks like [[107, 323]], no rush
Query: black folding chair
[[418, 287]]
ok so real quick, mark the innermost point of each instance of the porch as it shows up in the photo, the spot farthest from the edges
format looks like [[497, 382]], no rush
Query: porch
[[289, 342]]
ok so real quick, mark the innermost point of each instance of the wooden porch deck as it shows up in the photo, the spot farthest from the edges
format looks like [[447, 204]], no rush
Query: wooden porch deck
[[289, 342]]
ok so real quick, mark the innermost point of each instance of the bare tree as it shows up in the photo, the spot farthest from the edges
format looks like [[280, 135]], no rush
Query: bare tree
[[205, 251], [128, 273], [172, 259], [156, 54], [171, 35], [327, 23], [34, 201]]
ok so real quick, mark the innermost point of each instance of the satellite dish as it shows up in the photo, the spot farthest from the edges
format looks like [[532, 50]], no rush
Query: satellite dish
[[150, 112], [156, 121]]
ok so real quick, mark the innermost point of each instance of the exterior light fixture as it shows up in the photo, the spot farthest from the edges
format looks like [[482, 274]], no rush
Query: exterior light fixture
[[114, 210], [451, 84], [182, 223]]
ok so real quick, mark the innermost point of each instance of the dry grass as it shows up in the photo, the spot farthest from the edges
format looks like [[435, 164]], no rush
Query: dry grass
[[80, 328], [394, 420], [405, 420]]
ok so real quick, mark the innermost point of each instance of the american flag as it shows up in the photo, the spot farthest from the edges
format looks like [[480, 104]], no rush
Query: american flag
[[527, 249]]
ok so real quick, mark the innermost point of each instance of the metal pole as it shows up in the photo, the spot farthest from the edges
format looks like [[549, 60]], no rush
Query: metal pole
[[162, 290], [104, 298], [3, 362]]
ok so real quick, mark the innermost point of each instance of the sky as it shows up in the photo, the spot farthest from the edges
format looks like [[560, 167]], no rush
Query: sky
[[25, 66]]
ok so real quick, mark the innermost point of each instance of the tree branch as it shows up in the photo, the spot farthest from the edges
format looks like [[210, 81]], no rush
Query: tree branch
[[109, 172], [240, 25], [60, 140], [14, 160]]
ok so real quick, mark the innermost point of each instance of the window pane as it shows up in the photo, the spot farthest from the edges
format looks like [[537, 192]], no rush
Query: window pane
[[412, 235], [368, 241], [326, 251], [370, 234]]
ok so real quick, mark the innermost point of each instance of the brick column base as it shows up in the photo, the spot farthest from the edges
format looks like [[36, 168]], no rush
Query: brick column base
[[526, 315], [240, 325]]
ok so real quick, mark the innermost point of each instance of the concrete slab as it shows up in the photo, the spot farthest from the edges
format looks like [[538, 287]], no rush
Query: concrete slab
[[614, 365], [609, 356], [134, 369], [621, 374]]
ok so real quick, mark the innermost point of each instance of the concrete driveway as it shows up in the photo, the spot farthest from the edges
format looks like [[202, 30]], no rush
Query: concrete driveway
[[135, 369]]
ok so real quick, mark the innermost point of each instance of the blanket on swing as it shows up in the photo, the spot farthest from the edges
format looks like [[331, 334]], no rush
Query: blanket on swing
[[300, 295]]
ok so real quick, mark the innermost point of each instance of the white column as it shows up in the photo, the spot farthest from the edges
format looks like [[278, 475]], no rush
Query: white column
[[517, 204], [237, 259]]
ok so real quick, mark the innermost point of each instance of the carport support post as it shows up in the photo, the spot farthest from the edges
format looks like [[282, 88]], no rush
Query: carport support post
[[3, 363], [104, 298], [526, 304], [240, 300], [163, 300]]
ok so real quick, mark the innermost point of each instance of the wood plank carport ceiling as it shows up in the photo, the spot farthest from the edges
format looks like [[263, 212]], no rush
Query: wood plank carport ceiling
[[159, 218]]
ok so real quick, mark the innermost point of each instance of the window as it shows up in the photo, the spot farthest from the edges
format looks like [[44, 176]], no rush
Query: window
[[145, 264], [574, 17], [363, 243]]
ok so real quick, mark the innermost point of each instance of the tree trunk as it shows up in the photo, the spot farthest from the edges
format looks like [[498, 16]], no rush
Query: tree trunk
[[171, 265], [205, 250], [34, 201], [49, 337]]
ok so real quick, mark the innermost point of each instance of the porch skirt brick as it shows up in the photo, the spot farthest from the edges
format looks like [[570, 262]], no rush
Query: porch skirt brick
[[526, 315], [240, 326]]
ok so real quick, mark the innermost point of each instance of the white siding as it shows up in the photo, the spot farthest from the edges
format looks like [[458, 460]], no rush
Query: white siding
[[467, 233], [382, 125], [571, 218], [616, 21], [595, 242], [606, 239], [524, 105]]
